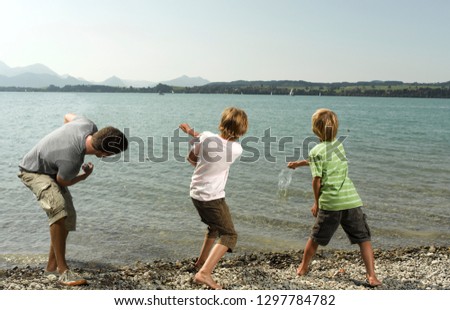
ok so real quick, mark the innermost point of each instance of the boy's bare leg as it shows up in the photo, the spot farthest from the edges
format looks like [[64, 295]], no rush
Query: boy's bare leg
[[203, 276], [204, 253], [308, 253], [369, 262], [58, 237], [52, 265]]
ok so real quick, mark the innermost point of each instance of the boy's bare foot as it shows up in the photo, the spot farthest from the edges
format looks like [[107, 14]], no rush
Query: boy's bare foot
[[301, 271], [373, 281], [202, 278]]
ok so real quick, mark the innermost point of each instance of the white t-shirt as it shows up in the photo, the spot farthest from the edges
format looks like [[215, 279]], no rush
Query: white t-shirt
[[215, 156]]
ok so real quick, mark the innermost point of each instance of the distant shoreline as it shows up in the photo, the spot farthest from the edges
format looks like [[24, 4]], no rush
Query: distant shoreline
[[416, 268], [395, 89]]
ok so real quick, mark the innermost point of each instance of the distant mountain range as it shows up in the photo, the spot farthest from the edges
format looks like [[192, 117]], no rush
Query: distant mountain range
[[39, 76], [185, 81]]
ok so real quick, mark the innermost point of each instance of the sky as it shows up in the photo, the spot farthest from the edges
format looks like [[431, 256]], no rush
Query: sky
[[227, 40]]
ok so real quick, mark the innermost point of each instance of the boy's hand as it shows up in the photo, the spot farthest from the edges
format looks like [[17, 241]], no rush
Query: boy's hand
[[296, 164], [192, 158], [292, 165], [87, 168], [185, 127], [315, 209]]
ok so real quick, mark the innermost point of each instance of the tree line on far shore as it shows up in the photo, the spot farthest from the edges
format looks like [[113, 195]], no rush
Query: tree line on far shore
[[295, 88]]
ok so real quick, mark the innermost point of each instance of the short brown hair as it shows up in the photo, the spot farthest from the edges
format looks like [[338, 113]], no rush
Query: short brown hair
[[234, 123], [325, 124], [109, 140]]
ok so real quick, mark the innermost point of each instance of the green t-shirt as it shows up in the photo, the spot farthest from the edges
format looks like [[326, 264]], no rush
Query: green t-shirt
[[327, 160]]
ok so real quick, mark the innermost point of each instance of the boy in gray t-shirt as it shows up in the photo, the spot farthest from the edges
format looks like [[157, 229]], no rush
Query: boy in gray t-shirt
[[52, 165], [62, 151]]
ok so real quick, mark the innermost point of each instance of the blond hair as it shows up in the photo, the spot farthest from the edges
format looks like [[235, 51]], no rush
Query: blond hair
[[325, 124], [233, 124]]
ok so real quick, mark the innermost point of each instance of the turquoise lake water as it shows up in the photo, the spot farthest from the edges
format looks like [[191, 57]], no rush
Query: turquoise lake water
[[138, 207]]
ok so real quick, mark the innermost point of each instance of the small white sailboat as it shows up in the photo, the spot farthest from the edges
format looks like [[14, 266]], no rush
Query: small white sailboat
[[291, 93]]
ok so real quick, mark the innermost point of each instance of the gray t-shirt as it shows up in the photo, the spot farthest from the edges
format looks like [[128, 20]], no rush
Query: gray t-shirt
[[62, 151]]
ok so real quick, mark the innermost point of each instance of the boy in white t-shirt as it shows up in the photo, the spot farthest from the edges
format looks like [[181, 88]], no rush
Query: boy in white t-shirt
[[212, 156]]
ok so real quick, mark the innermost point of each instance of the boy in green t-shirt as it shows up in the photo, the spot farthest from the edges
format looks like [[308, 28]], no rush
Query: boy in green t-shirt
[[336, 201]]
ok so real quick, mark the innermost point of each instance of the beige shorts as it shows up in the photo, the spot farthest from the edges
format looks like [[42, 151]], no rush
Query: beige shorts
[[54, 199]]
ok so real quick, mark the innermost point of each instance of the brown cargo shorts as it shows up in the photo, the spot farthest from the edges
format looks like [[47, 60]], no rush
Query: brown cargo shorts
[[216, 215], [54, 199]]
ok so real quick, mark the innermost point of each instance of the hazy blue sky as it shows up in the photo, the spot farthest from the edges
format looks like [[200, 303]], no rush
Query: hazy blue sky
[[322, 41]]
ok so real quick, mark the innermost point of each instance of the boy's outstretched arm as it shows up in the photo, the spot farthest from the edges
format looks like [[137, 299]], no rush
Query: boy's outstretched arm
[[296, 164], [187, 129], [193, 154]]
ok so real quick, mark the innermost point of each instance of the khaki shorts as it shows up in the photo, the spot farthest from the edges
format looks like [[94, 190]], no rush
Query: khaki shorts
[[216, 215], [54, 199]]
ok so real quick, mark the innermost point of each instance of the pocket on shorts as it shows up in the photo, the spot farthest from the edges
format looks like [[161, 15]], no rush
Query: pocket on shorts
[[42, 190], [51, 198]]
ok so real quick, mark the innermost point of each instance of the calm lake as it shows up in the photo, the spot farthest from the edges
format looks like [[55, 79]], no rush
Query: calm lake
[[137, 207]]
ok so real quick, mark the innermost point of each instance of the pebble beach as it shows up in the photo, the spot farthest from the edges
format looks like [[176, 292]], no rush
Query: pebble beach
[[417, 268]]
